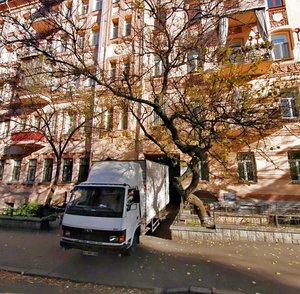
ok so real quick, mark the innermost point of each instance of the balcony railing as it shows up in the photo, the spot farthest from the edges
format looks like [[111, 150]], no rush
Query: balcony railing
[[43, 23], [34, 100], [252, 60], [251, 53], [28, 138]]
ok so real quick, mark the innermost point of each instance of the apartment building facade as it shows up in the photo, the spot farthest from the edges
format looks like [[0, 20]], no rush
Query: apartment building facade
[[113, 34]]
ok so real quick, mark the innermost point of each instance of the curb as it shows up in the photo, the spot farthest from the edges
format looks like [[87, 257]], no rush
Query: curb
[[189, 290], [196, 290]]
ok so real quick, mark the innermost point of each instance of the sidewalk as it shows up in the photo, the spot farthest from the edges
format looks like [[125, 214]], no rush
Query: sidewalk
[[158, 263]]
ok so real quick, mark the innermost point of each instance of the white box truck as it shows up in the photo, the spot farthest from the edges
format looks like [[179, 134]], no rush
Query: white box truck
[[118, 202]]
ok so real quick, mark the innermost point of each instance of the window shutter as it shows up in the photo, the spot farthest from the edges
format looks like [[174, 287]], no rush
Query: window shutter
[[294, 170], [241, 171]]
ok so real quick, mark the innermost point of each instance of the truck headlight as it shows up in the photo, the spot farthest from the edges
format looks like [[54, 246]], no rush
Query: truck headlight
[[117, 239], [67, 234], [113, 239]]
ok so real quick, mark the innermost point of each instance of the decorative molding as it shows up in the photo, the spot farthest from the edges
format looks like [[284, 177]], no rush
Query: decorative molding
[[285, 68], [278, 17]]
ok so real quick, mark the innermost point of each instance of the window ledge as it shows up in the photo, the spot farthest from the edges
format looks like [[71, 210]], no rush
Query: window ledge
[[83, 16], [247, 182], [276, 7], [284, 59], [291, 119], [44, 183], [29, 183], [295, 182], [13, 182]]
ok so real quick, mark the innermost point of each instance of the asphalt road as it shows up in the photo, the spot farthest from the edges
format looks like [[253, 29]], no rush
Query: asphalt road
[[14, 283], [158, 263]]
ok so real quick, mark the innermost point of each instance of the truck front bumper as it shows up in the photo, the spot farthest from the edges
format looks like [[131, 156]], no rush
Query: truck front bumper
[[68, 243]]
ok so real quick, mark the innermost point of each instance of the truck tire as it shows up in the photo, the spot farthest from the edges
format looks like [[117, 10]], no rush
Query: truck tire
[[129, 251]]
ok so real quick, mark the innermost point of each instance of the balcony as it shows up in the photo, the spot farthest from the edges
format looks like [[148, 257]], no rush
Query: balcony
[[34, 100], [44, 25], [252, 60], [28, 138], [42, 19]]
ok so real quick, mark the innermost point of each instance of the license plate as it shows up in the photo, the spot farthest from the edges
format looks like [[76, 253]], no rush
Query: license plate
[[90, 253]]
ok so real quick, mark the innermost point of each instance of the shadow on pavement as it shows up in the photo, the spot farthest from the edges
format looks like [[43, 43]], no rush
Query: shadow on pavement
[[164, 231]]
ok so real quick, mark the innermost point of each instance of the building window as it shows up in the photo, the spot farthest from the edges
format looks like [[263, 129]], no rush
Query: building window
[[4, 129], [281, 49], [193, 60], [36, 122], [289, 107], [127, 27], [22, 124], [126, 68], [84, 8], [48, 168], [294, 161], [246, 167], [90, 82], [69, 122], [68, 12], [275, 3], [31, 170], [108, 119], [95, 39], [236, 52], [159, 66], [112, 71], [2, 162], [51, 125], [81, 40], [160, 20], [194, 12], [67, 170], [63, 45], [123, 119], [16, 170], [83, 169], [157, 121], [115, 29], [203, 168], [2, 93], [97, 5]]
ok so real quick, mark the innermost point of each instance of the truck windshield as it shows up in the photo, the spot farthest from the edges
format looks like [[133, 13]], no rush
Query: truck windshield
[[97, 201]]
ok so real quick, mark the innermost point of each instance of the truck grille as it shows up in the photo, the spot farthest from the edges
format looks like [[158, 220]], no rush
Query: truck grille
[[90, 234]]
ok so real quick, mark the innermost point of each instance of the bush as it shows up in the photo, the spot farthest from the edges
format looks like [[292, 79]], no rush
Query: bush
[[29, 209]]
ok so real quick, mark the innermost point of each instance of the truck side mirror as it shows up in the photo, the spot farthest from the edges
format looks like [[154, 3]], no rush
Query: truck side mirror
[[136, 196]]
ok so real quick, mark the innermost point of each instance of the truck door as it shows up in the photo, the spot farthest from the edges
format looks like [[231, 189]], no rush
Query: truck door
[[133, 213]]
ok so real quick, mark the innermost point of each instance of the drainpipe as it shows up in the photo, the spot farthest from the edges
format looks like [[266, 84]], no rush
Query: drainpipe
[[137, 146]]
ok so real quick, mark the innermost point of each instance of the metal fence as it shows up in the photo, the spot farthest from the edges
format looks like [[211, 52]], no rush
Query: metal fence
[[245, 213]]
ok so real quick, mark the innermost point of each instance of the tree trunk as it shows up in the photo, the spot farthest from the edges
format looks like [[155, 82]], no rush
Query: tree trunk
[[200, 208], [54, 184]]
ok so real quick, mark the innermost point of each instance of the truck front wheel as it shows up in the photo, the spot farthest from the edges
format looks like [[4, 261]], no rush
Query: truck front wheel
[[129, 251]]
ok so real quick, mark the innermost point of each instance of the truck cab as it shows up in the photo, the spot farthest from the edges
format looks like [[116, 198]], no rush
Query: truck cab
[[102, 216]]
